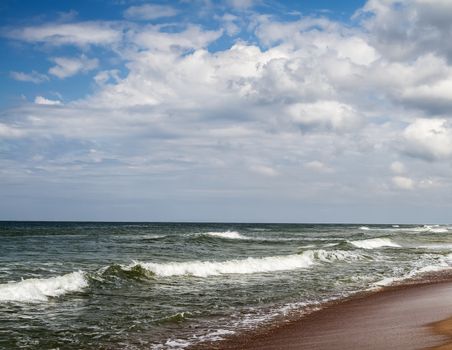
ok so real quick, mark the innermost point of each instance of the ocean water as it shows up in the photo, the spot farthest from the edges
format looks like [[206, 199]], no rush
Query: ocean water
[[171, 286]]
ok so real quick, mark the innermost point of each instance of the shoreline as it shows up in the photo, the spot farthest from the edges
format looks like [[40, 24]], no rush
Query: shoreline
[[413, 314]]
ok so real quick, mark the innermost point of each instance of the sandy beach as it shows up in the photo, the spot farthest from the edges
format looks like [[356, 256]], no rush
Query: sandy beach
[[406, 317]]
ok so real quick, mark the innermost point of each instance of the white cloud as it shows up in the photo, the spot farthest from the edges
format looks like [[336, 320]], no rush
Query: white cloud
[[403, 182], [80, 34], [318, 166], [106, 76], [429, 139], [398, 167], [33, 77], [403, 30], [180, 117], [149, 12], [193, 37], [68, 66], [10, 132], [241, 4], [264, 170], [324, 114], [39, 100]]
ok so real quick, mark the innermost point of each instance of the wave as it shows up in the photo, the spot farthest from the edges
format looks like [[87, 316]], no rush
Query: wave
[[443, 264], [226, 235], [117, 271], [374, 243], [431, 228], [38, 290], [364, 228], [245, 266], [176, 318], [231, 235]]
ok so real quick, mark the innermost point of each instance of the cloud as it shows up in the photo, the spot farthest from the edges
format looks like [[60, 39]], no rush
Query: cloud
[[318, 166], [398, 167], [9, 132], [323, 114], [403, 182], [149, 12], [33, 77], [79, 33], [39, 100], [429, 139], [241, 4], [193, 37], [275, 109], [66, 67], [264, 170], [403, 30]]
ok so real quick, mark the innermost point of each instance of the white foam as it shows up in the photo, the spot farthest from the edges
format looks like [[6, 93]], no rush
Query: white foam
[[38, 290], [226, 235], [374, 243], [438, 246], [364, 228], [442, 264], [385, 282], [431, 228], [246, 266]]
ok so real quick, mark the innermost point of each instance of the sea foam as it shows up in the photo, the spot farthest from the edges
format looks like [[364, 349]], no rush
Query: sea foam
[[225, 235], [245, 266], [374, 243], [38, 290]]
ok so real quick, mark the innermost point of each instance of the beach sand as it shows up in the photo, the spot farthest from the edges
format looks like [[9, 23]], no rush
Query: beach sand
[[405, 317]]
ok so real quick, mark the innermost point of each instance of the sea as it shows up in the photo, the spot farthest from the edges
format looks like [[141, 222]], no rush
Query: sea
[[85, 285]]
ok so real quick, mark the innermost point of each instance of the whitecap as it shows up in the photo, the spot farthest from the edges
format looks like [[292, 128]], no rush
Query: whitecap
[[38, 290], [374, 243], [225, 234], [431, 228], [246, 266]]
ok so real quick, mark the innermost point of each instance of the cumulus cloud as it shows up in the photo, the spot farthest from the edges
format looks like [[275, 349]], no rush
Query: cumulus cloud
[[398, 167], [311, 106], [323, 114], [429, 139], [318, 166], [149, 12], [264, 170], [404, 30], [403, 182], [33, 77], [39, 100], [68, 66]]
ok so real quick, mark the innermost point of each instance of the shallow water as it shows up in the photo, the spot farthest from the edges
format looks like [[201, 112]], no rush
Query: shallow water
[[164, 286]]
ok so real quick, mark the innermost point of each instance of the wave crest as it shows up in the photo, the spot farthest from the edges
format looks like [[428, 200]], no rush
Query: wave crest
[[245, 266], [38, 290], [226, 235], [374, 243]]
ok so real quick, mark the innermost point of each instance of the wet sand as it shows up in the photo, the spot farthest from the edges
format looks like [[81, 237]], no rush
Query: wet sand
[[403, 318]]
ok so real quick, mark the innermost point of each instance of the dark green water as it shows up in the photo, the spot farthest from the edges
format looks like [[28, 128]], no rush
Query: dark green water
[[168, 286]]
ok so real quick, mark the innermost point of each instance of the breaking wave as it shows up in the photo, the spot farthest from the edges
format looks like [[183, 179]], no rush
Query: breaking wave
[[374, 243], [245, 266], [38, 290], [225, 235]]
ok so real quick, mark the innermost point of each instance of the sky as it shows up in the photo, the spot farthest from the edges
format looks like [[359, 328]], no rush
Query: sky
[[227, 111]]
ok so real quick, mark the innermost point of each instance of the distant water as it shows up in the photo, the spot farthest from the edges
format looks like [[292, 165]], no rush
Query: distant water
[[168, 286]]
